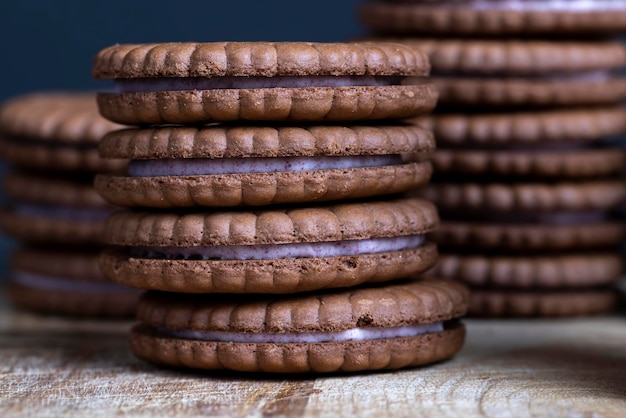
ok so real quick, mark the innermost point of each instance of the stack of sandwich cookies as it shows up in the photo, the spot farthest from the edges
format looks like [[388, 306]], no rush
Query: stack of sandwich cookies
[[50, 140], [525, 176], [252, 216]]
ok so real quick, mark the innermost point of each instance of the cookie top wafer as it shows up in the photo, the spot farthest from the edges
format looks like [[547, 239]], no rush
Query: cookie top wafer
[[225, 81], [574, 270], [495, 17], [518, 57], [417, 302], [349, 221], [546, 197], [55, 131], [518, 164], [538, 127], [230, 166]]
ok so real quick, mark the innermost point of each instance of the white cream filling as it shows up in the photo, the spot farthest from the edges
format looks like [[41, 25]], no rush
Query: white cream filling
[[201, 166], [532, 5], [279, 251], [61, 213], [132, 85], [355, 334], [41, 282]]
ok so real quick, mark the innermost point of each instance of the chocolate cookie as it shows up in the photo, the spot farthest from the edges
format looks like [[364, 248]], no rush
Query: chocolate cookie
[[53, 209], [386, 327], [189, 83], [244, 165], [66, 282], [273, 250], [55, 132]]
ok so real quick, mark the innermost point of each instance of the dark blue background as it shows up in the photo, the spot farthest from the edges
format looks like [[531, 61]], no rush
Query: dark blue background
[[48, 44]]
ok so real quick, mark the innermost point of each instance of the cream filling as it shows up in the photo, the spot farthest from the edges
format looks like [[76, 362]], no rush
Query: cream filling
[[532, 5], [41, 282], [201, 166], [280, 251], [355, 334], [61, 213], [133, 85]]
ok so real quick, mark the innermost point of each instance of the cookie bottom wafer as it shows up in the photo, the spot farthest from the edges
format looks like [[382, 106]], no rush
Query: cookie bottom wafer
[[495, 303], [352, 356], [116, 304]]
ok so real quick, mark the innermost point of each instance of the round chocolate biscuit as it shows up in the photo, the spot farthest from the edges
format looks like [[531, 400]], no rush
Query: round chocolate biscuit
[[516, 163], [68, 191], [66, 282], [494, 17], [386, 327], [53, 209], [558, 271], [523, 92], [56, 132], [504, 57], [271, 251], [495, 303], [536, 197], [529, 236], [526, 128], [190, 83], [231, 166]]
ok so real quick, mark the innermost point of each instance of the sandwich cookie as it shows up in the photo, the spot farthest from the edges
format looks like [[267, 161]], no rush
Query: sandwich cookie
[[223, 166], [55, 132], [69, 283], [525, 73], [495, 17], [196, 83], [385, 327], [270, 251], [556, 144], [53, 209]]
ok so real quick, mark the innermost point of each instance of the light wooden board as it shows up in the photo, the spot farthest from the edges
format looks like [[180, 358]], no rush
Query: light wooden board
[[558, 368]]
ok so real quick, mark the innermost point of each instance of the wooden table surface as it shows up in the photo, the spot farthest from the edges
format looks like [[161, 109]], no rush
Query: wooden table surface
[[549, 368]]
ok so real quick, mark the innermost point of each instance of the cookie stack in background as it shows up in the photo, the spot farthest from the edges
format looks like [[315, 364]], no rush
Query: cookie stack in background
[[50, 141], [526, 174], [268, 246]]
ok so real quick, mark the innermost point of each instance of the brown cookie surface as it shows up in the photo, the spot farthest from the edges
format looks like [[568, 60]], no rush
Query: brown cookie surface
[[185, 83], [557, 164], [494, 303], [489, 19], [50, 190], [511, 197], [260, 59], [529, 236], [518, 57], [264, 165], [522, 92], [526, 128], [566, 271], [297, 329]]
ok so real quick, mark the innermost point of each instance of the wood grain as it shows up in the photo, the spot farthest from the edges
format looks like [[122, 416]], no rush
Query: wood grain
[[60, 367]]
